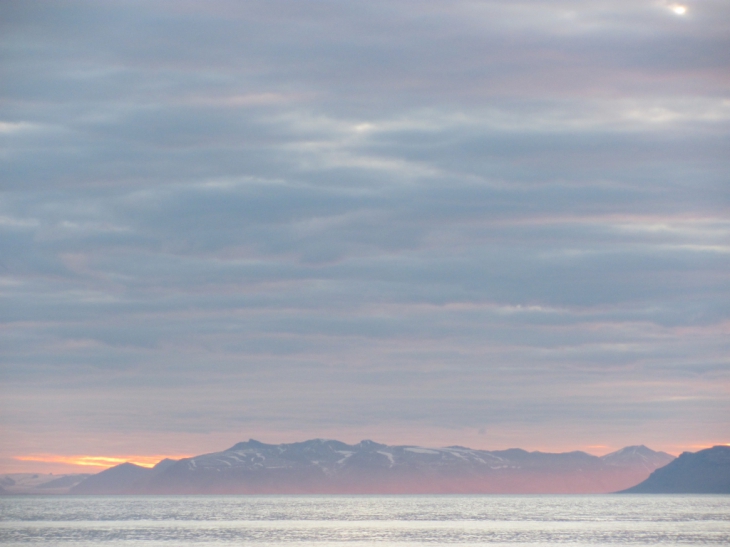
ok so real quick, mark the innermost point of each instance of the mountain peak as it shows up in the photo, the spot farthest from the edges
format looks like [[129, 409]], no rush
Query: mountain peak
[[164, 464], [638, 455], [251, 443], [367, 444], [634, 449]]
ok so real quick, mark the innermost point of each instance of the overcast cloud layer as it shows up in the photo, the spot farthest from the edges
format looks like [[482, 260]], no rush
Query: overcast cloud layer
[[489, 223]]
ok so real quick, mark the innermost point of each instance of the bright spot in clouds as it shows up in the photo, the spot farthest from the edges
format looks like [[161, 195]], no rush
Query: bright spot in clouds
[[679, 9]]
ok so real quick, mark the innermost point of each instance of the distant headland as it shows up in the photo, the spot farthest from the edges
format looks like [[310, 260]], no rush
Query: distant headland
[[703, 472]]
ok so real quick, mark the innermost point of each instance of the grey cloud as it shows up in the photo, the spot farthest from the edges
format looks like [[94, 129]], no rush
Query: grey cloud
[[442, 214]]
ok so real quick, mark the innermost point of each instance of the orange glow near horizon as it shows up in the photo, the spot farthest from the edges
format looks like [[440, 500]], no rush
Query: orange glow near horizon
[[97, 461]]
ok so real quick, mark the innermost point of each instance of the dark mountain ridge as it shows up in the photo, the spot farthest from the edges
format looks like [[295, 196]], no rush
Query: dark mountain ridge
[[703, 472], [330, 467]]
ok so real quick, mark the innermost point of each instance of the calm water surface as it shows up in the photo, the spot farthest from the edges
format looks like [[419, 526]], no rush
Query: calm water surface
[[127, 521]]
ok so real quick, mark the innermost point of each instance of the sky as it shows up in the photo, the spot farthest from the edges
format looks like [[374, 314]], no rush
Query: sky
[[498, 223]]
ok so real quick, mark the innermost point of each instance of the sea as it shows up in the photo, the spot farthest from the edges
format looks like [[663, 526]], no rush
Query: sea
[[125, 521]]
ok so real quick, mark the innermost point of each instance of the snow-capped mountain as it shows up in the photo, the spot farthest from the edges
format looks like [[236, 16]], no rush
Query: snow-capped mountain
[[638, 456], [328, 466]]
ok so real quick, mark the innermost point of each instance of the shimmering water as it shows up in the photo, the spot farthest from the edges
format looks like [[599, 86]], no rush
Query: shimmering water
[[125, 521]]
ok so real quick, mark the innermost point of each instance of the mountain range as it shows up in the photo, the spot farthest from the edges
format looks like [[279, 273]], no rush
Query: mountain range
[[328, 467]]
